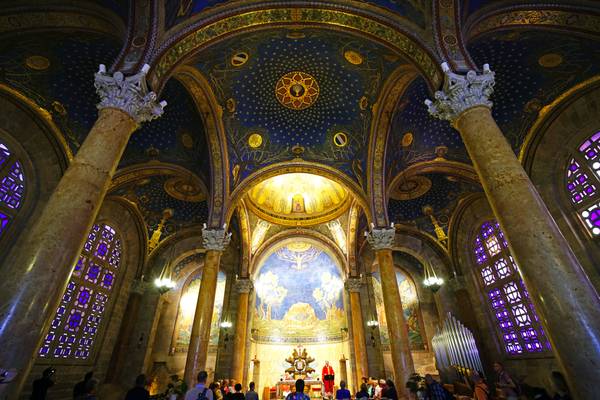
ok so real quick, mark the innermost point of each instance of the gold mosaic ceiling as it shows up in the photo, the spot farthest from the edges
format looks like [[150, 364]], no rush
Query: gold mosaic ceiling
[[298, 199]]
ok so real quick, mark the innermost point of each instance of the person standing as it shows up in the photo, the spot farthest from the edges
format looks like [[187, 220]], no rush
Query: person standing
[[342, 393], [379, 389], [200, 391], [237, 394], [389, 391], [138, 392], [505, 383], [251, 394], [40, 386], [363, 394], [435, 391], [328, 377]]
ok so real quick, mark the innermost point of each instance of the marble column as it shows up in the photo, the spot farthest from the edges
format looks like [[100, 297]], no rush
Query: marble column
[[243, 288], [566, 301], [215, 241], [37, 272], [358, 330], [382, 241]]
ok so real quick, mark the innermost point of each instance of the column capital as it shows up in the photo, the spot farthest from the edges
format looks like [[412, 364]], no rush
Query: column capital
[[129, 94], [243, 285], [461, 92], [354, 284], [381, 238], [215, 239]]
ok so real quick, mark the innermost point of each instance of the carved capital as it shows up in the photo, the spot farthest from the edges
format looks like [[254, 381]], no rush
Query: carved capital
[[354, 284], [243, 285], [139, 286], [462, 92], [215, 239], [381, 238], [129, 94]]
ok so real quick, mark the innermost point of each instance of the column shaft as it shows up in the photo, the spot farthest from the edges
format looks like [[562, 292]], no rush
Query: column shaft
[[564, 298], [358, 331], [239, 341], [200, 337], [397, 328], [37, 273]]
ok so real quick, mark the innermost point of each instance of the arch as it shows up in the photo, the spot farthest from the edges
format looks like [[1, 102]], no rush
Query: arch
[[550, 144], [438, 165], [246, 238], [294, 166], [182, 242], [289, 236], [136, 172], [182, 45], [383, 111], [568, 18], [211, 113]]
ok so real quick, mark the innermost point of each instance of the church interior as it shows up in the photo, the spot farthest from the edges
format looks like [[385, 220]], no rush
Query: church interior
[[332, 190]]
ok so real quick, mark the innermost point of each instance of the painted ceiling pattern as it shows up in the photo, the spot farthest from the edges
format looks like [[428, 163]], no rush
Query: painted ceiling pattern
[[532, 68], [348, 72], [152, 199]]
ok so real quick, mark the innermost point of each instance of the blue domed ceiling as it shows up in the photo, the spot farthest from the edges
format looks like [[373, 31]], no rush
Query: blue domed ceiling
[[532, 69], [340, 77]]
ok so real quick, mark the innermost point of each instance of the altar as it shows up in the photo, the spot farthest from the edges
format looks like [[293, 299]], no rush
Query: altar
[[312, 387]]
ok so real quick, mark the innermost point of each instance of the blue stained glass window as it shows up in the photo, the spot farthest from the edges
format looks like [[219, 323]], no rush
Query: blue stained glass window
[[12, 187], [514, 314], [79, 317]]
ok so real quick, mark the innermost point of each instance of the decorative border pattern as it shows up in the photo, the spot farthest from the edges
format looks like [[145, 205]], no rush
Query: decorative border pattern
[[561, 19], [206, 34], [449, 35]]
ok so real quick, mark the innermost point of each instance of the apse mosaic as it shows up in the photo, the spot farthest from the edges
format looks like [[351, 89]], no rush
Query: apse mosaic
[[298, 296], [298, 93], [410, 306], [532, 68], [187, 309]]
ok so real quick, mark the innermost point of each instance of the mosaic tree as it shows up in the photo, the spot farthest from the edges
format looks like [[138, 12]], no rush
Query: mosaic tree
[[517, 322], [81, 314], [582, 181], [12, 187]]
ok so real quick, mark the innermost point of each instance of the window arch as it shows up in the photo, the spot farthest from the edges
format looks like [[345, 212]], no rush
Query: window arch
[[12, 187], [509, 301], [583, 180], [80, 315]]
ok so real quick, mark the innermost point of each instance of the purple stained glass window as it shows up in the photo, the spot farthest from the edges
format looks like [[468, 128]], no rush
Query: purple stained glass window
[[12, 187], [80, 315], [582, 180], [518, 324]]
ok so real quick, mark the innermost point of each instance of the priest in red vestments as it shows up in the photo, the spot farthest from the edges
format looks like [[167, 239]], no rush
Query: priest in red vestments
[[328, 377]]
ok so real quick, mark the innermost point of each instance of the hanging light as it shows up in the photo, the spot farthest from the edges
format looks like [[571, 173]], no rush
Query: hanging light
[[164, 283], [372, 323], [432, 281]]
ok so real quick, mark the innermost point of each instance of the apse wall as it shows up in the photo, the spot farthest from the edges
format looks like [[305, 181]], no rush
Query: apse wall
[[299, 300]]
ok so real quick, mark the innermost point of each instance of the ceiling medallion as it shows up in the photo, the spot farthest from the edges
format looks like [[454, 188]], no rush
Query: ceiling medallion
[[411, 188], [185, 189], [353, 57], [407, 139], [550, 60], [297, 90], [37, 63], [340, 139], [239, 59], [255, 140]]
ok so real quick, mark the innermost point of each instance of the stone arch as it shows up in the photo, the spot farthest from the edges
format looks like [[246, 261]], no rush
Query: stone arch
[[179, 46], [560, 128], [32, 136]]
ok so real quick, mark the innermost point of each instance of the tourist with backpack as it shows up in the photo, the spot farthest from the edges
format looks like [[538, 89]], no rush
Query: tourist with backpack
[[201, 390]]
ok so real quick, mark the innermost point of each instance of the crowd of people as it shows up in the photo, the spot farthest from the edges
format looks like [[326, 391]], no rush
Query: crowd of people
[[427, 388]]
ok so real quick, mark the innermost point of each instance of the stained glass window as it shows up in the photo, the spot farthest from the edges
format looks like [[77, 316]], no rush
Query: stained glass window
[[583, 180], [515, 316], [12, 187], [77, 321]]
